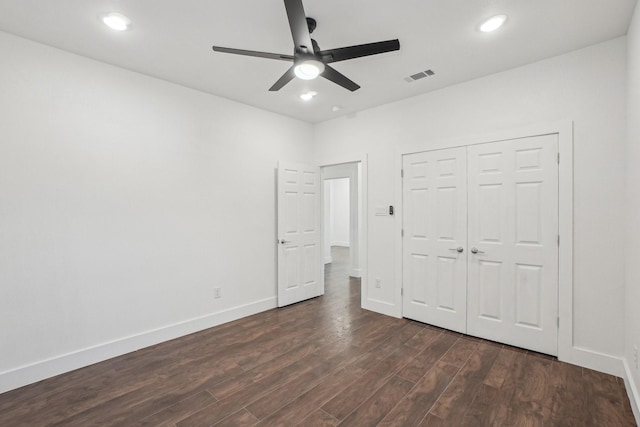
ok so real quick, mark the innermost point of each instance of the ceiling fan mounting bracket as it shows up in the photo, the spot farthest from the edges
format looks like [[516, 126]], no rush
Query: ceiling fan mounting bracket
[[311, 24]]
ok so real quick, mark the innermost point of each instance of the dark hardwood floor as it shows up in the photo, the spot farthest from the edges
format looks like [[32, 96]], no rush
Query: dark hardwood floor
[[324, 362]]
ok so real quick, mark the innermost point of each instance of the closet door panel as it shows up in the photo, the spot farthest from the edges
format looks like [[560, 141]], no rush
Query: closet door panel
[[435, 226], [513, 230]]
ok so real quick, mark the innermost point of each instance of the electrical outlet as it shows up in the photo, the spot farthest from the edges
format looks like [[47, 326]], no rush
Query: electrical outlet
[[217, 293], [635, 355], [378, 283]]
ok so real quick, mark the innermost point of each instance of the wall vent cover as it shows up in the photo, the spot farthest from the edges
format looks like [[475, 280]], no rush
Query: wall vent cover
[[420, 75]]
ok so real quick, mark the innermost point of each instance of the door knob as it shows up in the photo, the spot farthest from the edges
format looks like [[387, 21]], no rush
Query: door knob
[[282, 242], [475, 250], [459, 249]]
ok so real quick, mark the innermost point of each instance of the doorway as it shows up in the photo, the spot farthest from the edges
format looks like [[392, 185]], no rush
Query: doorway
[[300, 228], [341, 210]]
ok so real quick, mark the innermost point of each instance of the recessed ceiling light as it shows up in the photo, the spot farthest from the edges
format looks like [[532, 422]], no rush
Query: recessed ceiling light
[[308, 96], [336, 108], [116, 21], [493, 23], [309, 69]]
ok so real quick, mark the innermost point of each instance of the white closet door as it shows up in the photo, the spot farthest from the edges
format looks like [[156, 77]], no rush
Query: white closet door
[[435, 226], [513, 224]]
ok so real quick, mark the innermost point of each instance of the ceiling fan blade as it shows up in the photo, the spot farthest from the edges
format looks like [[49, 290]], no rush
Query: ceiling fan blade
[[298, 25], [286, 78], [344, 53], [253, 53], [339, 78]]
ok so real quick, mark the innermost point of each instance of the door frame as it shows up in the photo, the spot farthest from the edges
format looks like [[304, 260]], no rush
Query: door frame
[[567, 351], [363, 215]]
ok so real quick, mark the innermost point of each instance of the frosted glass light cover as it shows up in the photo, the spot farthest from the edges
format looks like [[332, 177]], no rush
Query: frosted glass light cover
[[308, 70], [493, 23], [116, 21]]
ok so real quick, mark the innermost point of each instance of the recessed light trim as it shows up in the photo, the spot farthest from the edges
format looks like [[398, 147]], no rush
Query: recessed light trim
[[309, 69], [116, 21], [308, 96], [493, 23]]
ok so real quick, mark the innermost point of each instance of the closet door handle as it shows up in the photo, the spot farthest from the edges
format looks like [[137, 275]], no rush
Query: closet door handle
[[459, 249], [476, 251]]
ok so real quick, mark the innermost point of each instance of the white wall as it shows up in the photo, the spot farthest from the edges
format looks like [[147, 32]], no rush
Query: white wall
[[586, 86], [633, 213], [339, 212], [124, 200]]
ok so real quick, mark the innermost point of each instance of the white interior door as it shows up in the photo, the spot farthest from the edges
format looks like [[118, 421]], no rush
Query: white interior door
[[299, 233], [435, 235], [513, 226]]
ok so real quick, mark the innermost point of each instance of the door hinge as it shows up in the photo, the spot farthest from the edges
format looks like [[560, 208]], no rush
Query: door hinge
[[401, 291], [401, 173], [558, 321], [402, 232], [558, 240], [558, 158]]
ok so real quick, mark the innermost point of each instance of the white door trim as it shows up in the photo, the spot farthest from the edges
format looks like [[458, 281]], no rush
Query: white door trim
[[364, 233], [567, 351]]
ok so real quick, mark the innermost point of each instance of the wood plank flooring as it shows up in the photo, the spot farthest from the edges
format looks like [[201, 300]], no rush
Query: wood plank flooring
[[324, 362]]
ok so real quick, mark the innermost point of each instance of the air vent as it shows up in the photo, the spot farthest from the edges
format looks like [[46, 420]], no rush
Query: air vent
[[420, 75]]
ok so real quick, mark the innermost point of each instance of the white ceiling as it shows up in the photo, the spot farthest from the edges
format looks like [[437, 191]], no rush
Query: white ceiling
[[172, 40]]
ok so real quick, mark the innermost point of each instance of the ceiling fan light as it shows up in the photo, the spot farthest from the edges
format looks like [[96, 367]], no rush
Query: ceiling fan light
[[309, 69], [116, 21], [493, 23]]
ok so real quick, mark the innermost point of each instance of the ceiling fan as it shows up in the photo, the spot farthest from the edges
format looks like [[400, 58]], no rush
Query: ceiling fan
[[308, 60]]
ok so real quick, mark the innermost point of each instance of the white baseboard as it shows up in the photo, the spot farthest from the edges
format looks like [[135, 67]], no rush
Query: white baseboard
[[586, 358], [341, 244], [632, 391], [328, 260], [356, 272], [24, 375]]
